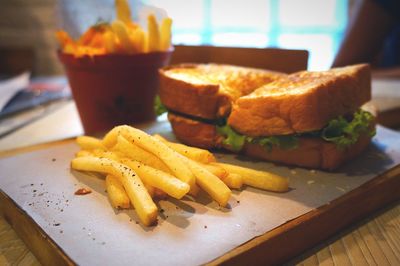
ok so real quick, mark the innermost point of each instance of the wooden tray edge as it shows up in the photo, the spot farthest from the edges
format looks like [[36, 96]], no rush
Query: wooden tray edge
[[17, 151], [42, 246], [300, 234]]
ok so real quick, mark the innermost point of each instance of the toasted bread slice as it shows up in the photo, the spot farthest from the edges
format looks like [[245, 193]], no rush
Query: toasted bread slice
[[311, 152], [302, 102], [194, 132], [208, 90]]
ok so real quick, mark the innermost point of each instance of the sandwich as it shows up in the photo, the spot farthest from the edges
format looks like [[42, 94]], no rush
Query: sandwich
[[316, 120]]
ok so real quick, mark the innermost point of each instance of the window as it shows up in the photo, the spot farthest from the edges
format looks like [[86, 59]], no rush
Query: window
[[314, 25]]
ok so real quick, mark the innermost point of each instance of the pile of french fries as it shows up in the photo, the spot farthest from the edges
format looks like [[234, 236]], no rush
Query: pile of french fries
[[140, 168], [122, 36]]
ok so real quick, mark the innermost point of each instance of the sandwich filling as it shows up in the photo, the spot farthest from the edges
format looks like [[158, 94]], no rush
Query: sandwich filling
[[343, 131], [340, 131]]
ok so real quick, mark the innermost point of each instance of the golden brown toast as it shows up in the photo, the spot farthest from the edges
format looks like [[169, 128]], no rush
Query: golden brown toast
[[208, 90], [285, 105], [302, 102]]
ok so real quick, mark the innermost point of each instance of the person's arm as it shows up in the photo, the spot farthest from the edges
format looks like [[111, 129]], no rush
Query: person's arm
[[365, 34]]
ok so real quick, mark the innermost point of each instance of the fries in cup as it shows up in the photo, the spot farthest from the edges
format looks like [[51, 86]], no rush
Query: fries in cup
[[121, 36]]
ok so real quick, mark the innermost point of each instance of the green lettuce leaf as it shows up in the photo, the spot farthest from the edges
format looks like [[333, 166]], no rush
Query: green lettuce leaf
[[344, 133], [232, 139], [159, 108], [236, 141]]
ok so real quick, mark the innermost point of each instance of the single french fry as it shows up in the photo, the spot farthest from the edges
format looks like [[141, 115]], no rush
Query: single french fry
[[258, 179], [113, 155], [89, 143], [210, 183], [89, 51], [123, 11], [121, 31], [111, 138], [87, 36], [145, 42], [137, 36], [134, 187], [64, 39], [136, 153], [69, 48], [216, 170], [165, 34], [233, 181], [116, 193], [171, 158], [159, 179], [83, 153], [110, 42], [153, 34], [197, 154], [97, 40]]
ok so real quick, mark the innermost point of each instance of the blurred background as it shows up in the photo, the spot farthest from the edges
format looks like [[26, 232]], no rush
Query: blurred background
[[312, 25], [315, 25]]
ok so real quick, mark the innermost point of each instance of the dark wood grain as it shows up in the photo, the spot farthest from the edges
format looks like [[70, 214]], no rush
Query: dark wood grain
[[284, 60]]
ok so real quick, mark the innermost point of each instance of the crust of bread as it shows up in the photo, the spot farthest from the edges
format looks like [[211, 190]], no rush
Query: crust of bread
[[193, 132], [311, 153], [302, 102], [208, 90]]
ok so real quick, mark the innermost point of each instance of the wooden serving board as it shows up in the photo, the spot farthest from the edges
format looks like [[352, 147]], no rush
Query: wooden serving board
[[37, 199]]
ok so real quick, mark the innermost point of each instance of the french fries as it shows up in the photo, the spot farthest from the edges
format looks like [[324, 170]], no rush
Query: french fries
[[258, 179], [134, 187], [216, 170], [210, 183], [233, 180], [121, 32], [151, 177], [199, 155], [159, 179], [122, 35], [171, 158], [140, 167], [89, 143], [135, 152]]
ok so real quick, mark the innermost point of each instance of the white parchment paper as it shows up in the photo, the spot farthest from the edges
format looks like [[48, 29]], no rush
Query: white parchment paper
[[188, 232]]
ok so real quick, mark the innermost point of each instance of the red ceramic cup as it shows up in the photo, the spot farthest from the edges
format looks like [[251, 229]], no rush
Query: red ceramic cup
[[114, 89]]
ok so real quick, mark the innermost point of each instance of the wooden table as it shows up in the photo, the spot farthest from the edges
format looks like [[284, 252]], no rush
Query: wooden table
[[375, 240]]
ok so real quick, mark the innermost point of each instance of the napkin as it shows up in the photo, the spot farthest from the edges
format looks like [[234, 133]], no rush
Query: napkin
[[10, 87]]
